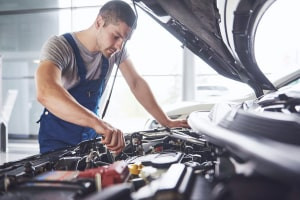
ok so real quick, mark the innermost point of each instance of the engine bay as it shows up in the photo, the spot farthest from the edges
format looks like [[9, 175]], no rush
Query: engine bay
[[236, 151], [156, 164]]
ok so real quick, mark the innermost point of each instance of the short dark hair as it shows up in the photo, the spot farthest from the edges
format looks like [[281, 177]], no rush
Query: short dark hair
[[115, 11]]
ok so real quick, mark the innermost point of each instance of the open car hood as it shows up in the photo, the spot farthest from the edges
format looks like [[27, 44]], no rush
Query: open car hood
[[221, 32]]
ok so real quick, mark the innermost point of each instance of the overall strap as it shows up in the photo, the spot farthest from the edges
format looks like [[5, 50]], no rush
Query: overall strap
[[104, 66], [79, 61]]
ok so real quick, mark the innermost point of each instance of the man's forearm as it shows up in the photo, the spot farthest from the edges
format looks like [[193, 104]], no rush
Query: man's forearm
[[59, 102], [145, 96]]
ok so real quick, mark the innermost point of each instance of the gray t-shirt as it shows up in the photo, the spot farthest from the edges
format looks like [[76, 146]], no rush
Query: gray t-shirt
[[60, 52]]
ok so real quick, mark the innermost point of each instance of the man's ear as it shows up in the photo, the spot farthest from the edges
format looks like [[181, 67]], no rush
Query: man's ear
[[99, 22]]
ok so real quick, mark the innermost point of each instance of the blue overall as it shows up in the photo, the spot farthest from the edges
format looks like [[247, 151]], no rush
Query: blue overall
[[56, 133]]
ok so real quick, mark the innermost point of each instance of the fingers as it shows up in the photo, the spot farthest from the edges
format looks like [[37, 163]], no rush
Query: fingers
[[114, 140], [179, 123], [183, 123], [112, 137], [121, 143]]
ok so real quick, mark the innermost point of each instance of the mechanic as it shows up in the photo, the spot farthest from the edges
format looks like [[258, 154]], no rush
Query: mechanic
[[72, 75]]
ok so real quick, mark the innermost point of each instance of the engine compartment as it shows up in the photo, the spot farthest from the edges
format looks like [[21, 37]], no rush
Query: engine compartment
[[156, 164], [89, 167], [237, 151]]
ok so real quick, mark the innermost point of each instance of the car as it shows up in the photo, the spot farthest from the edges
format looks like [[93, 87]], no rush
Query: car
[[233, 150]]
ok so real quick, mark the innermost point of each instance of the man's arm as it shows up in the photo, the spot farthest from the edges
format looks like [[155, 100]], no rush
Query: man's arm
[[144, 95], [52, 95]]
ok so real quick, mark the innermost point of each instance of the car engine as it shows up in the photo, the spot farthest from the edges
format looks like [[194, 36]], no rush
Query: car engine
[[237, 156]]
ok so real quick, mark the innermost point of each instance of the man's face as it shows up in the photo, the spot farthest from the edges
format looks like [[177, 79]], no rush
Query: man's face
[[111, 37]]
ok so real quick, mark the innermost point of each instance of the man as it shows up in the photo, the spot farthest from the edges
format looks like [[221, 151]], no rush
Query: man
[[73, 73]]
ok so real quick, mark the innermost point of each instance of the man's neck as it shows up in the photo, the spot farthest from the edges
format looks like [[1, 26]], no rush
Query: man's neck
[[88, 39]]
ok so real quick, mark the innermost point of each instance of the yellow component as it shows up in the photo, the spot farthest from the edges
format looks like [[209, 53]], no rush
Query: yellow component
[[135, 169]]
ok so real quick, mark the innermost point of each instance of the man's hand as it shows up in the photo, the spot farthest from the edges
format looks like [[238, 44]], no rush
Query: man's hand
[[175, 123], [113, 137]]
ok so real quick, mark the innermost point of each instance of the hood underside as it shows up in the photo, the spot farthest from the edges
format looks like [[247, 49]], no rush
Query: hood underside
[[221, 35]]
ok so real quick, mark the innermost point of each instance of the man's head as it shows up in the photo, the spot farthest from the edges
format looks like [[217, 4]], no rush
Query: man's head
[[115, 11], [114, 25]]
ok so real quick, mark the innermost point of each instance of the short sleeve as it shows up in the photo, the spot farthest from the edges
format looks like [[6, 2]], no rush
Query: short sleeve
[[57, 50]]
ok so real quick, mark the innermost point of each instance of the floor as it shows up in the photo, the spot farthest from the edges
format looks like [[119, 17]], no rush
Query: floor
[[19, 149]]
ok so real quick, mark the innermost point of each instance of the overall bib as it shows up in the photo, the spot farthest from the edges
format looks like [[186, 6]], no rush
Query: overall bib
[[56, 133]]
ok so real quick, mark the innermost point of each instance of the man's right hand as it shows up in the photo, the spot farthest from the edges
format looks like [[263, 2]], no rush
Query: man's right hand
[[113, 137]]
